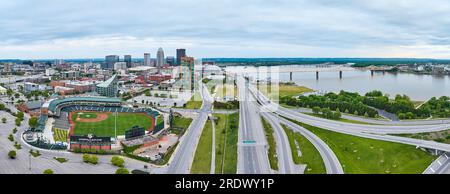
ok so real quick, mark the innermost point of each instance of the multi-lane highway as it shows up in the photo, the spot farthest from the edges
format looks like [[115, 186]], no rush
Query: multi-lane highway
[[183, 157], [368, 131], [252, 144], [440, 166], [332, 164], [387, 122], [286, 163]]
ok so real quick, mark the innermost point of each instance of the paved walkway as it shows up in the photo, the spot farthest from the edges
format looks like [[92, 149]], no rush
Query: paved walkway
[[48, 134]]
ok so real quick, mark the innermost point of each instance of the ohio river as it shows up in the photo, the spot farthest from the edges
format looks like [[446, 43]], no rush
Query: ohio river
[[417, 87]]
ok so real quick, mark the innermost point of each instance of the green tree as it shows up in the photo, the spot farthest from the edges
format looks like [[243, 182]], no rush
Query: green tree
[[122, 171], [401, 116], [117, 161], [3, 120], [94, 159], [18, 122], [410, 115], [33, 122], [48, 171], [316, 110], [9, 92], [12, 154], [337, 115], [20, 115], [11, 137]]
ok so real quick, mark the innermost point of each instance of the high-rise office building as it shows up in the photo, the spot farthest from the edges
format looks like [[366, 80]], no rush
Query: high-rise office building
[[180, 54], [109, 87], [160, 59], [187, 71], [110, 60], [170, 60], [127, 60], [147, 59]]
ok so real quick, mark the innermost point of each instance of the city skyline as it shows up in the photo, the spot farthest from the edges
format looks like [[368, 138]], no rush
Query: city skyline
[[282, 28]]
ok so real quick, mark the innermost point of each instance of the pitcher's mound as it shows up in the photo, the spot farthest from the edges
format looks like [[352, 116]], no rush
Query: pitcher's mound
[[90, 118]]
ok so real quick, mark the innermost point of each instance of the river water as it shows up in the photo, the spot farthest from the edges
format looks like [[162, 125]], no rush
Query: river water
[[417, 87]]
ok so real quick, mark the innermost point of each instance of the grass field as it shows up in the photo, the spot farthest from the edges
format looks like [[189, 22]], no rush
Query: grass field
[[60, 135], [309, 154], [106, 127], [368, 156], [202, 158], [88, 115], [283, 90], [226, 143], [195, 102], [272, 153], [341, 119], [227, 90], [180, 125]]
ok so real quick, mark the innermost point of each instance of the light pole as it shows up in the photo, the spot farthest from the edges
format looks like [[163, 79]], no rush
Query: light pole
[[29, 161], [115, 125]]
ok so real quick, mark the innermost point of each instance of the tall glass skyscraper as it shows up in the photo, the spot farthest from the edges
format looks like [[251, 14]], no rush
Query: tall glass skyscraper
[[127, 60], [160, 59], [110, 60], [180, 54], [147, 59]]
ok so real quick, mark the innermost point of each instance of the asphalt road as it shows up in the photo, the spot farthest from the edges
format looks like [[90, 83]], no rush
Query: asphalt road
[[332, 164], [387, 122], [286, 163], [183, 157], [368, 131], [440, 166], [252, 144], [378, 129]]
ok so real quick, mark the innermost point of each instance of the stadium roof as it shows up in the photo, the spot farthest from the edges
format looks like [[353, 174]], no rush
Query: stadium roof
[[108, 82], [54, 103]]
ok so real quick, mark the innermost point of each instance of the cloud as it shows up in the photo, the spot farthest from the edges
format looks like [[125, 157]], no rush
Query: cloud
[[225, 28]]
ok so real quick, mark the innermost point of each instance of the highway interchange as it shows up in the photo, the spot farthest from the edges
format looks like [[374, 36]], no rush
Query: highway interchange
[[252, 144], [379, 132]]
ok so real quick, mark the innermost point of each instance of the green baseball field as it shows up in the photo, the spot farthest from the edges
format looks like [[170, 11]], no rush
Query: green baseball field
[[102, 124]]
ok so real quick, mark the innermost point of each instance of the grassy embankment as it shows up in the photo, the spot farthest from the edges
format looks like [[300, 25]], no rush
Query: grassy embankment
[[226, 143], [195, 102], [283, 90], [304, 152], [272, 152], [368, 156], [180, 125], [202, 158]]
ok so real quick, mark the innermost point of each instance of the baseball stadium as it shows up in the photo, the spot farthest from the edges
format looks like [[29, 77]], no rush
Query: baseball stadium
[[98, 116]]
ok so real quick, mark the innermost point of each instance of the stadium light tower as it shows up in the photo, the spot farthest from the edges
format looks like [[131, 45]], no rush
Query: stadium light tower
[[115, 125]]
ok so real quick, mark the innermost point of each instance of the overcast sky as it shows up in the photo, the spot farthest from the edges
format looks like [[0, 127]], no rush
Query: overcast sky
[[225, 28]]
